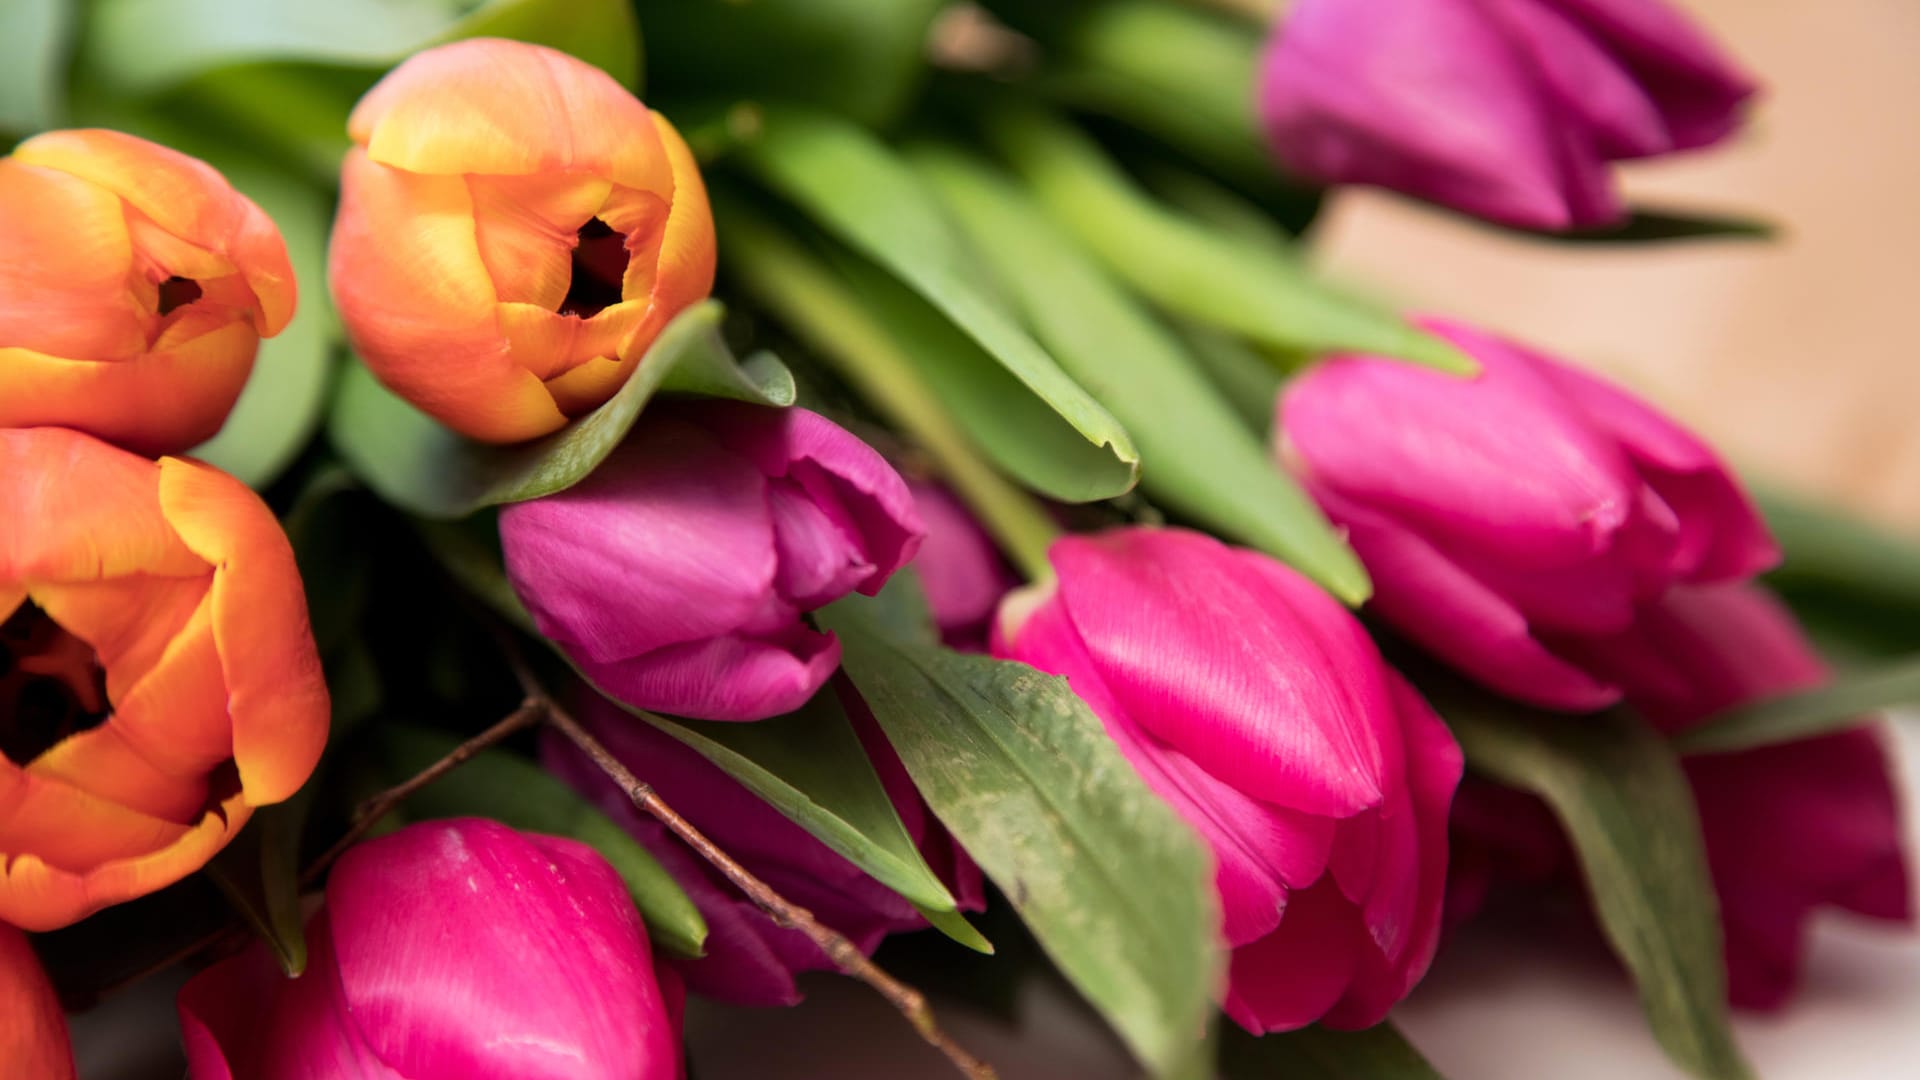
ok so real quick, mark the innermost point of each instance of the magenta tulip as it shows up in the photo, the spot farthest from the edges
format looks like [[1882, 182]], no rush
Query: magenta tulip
[[1509, 517], [960, 568], [749, 960], [1260, 709], [675, 576], [1510, 110], [451, 949]]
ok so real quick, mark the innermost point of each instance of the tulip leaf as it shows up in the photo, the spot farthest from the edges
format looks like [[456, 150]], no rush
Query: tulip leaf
[[414, 462], [150, 45], [1644, 225], [1192, 269], [259, 874], [1317, 1053], [1116, 888], [854, 187], [510, 789], [1849, 701], [1197, 457], [1618, 790], [34, 38]]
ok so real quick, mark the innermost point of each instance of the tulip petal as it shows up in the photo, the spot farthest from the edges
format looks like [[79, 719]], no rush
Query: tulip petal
[[724, 678], [1293, 976], [79, 510], [1585, 80], [820, 560], [526, 227], [959, 567], [66, 270], [1698, 90], [683, 272], [33, 1029]]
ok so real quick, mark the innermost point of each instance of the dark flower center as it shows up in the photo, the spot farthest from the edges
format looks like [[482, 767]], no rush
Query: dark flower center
[[51, 685], [177, 292], [599, 264]]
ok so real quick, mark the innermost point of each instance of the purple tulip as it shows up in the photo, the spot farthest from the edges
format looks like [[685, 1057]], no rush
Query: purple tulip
[[449, 949], [960, 568], [675, 576], [1509, 110], [1507, 518], [1260, 709], [749, 960]]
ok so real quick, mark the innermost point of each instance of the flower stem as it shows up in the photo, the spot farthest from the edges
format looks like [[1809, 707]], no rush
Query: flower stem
[[811, 301]]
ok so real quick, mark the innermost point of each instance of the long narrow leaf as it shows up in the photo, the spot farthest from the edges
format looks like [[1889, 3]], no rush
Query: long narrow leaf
[[1849, 701]]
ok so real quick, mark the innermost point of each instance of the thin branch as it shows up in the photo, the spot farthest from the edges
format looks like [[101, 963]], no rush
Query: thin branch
[[370, 812], [845, 955]]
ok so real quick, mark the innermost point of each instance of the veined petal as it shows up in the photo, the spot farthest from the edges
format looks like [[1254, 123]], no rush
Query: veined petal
[[33, 1029]]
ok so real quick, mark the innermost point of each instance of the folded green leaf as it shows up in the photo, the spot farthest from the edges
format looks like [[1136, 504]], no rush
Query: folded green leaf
[[1197, 457], [1251, 382], [510, 789], [34, 39], [414, 462], [1851, 700], [1648, 226], [1618, 789], [1116, 888], [259, 874], [1191, 269], [853, 186], [1316, 1053], [912, 361]]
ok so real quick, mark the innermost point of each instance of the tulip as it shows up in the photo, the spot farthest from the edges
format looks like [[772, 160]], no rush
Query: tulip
[[676, 574], [456, 948], [959, 567], [1508, 517], [158, 679], [135, 286], [514, 230], [749, 959], [33, 1030], [1510, 110], [1260, 709]]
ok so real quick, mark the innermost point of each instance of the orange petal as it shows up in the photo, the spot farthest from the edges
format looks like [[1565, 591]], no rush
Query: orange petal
[[276, 694], [687, 252], [549, 344], [507, 108], [71, 829], [80, 510], [527, 226], [33, 1030], [129, 622], [103, 763], [66, 269], [587, 385]]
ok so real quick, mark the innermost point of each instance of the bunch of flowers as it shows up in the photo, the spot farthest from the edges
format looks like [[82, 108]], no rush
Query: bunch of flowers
[[503, 658]]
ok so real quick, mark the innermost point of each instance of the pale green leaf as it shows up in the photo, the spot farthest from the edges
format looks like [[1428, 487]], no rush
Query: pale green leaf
[[1316, 1053], [1850, 700]]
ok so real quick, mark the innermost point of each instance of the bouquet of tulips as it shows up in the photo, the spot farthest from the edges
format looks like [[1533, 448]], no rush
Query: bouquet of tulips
[[491, 567]]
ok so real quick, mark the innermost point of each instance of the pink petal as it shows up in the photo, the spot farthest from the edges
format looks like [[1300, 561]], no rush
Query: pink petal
[[724, 678], [1586, 81], [960, 568], [1291, 977], [820, 558], [1699, 91]]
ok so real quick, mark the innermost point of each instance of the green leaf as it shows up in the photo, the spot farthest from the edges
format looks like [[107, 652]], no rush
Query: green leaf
[[1197, 457], [286, 396], [1116, 888], [416, 463], [1648, 226], [910, 358], [1251, 382], [149, 45], [862, 58], [1826, 548], [1316, 1053], [1618, 789], [1191, 269], [1849, 701], [34, 38], [259, 874], [849, 182], [510, 789]]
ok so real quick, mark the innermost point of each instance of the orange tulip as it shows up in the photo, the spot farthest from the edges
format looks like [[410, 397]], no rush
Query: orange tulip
[[33, 1030], [514, 230], [158, 679], [135, 286]]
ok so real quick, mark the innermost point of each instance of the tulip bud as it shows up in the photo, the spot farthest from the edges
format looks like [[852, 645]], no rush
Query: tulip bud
[[449, 948], [1508, 111], [1508, 517], [959, 567], [749, 960], [515, 229], [158, 679], [33, 1030], [676, 574], [1260, 709], [135, 286]]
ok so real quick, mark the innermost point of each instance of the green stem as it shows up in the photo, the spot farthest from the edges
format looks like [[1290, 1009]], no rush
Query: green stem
[[812, 302]]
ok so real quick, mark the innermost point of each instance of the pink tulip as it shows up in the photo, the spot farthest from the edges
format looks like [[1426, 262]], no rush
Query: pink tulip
[[1509, 517], [960, 568], [749, 960], [1262, 712], [452, 949], [1789, 828], [1510, 110], [675, 576]]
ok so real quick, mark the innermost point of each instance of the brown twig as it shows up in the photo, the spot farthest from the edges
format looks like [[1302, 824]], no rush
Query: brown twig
[[845, 955], [530, 712]]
